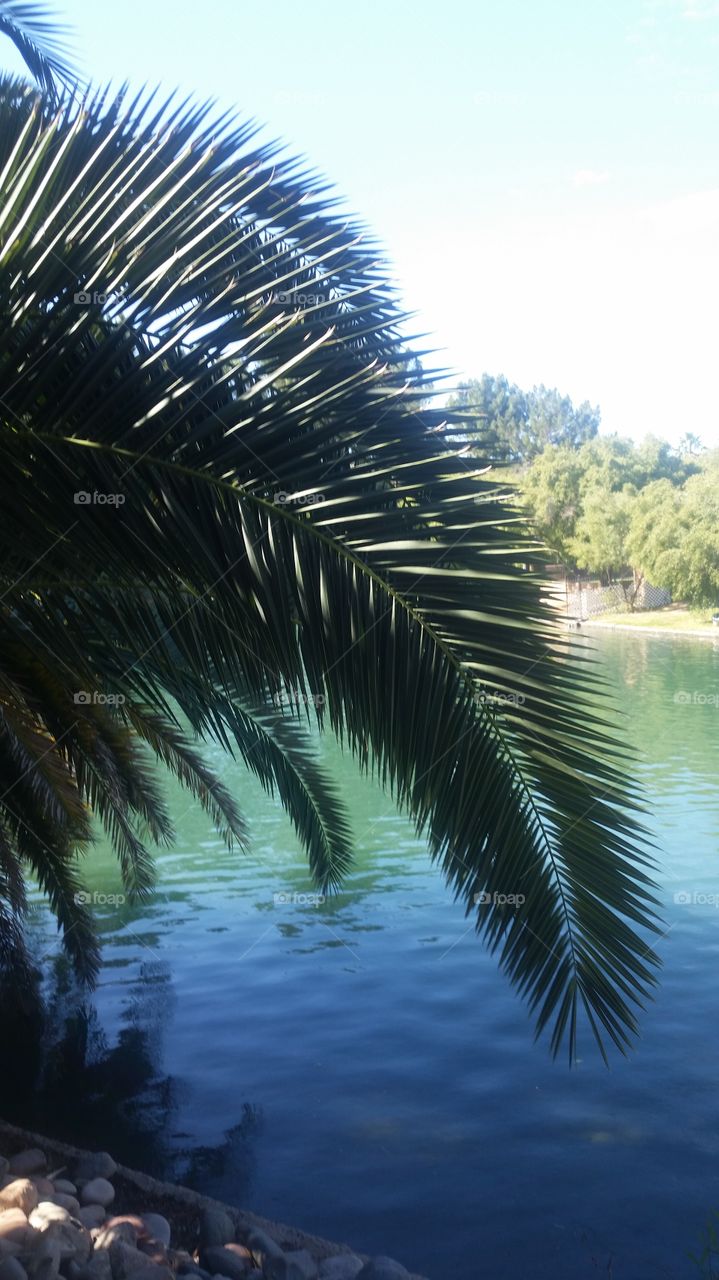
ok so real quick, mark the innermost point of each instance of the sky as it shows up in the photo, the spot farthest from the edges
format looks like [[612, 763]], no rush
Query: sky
[[543, 174]]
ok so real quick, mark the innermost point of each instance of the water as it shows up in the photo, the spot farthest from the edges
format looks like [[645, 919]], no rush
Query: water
[[361, 1068]]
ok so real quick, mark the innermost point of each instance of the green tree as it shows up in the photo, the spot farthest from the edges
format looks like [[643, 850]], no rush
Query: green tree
[[600, 543], [219, 505], [517, 424], [674, 537]]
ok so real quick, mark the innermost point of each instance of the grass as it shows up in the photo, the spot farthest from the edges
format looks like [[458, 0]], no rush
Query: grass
[[673, 617]]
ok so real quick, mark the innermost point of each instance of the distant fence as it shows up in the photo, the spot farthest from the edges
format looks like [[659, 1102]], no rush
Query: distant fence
[[585, 601]]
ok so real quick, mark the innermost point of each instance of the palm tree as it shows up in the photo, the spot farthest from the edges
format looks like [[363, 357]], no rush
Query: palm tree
[[225, 511]]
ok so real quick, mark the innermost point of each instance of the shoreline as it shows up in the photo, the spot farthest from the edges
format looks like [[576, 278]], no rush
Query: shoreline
[[710, 633]]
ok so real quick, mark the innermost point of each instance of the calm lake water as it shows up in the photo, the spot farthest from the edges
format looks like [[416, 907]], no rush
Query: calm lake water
[[362, 1069]]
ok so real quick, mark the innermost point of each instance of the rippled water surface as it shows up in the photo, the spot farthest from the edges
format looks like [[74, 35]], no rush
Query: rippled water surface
[[361, 1069]]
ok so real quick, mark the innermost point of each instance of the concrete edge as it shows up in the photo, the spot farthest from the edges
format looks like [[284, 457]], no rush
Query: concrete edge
[[652, 631], [287, 1237]]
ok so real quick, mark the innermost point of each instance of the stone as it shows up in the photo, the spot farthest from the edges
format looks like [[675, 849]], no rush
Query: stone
[[273, 1258], [4, 1166], [65, 1202], [11, 1269], [219, 1260], [47, 1212], [26, 1162], [116, 1231], [130, 1219], [383, 1269], [157, 1228], [216, 1227], [14, 1227], [125, 1259], [97, 1191], [344, 1266], [21, 1193], [94, 1164], [66, 1187], [153, 1271], [43, 1261], [99, 1266], [73, 1240], [44, 1186], [92, 1215], [300, 1265]]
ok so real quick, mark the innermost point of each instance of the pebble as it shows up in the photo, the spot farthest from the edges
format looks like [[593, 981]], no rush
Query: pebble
[[382, 1269], [26, 1162], [21, 1193], [4, 1166], [219, 1260], [65, 1187], [216, 1227], [13, 1226], [300, 1265], [92, 1215], [344, 1266], [47, 1212], [95, 1164], [97, 1191], [45, 1187], [12, 1269], [65, 1202], [157, 1228]]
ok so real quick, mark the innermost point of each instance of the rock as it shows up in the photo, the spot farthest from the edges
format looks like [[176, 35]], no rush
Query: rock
[[344, 1266], [130, 1219], [383, 1269], [220, 1260], [47, 1212], [74, 1241], [26, 1162], [216, 1227], [300, 1265], [125, 1259], [44, 1258], [273, 1258], [44, 1186], [97, 1191], [21, 1193], [65, 1187], [95, 1164], [92, 1215], [153, 1271], [116, 1231], [99, 1267], [65, 1202], [157, 1228], [11, 1269], [14, 1227], [4, 1166]]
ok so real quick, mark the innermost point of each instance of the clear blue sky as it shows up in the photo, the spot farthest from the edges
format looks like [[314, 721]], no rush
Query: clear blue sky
[[543, 173]]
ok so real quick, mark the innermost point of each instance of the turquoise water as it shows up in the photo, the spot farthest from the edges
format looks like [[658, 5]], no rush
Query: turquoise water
[[362, 1069]]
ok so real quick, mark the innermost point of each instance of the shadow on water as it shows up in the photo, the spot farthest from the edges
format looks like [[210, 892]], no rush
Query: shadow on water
[[60, 1076]]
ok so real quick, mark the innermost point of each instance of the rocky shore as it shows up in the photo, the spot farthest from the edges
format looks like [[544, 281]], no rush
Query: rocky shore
[[67, 1214]]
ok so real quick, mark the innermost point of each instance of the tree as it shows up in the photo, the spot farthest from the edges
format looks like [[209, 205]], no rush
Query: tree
[[518, 425], [674, 536], [600, 542], [219, 505]]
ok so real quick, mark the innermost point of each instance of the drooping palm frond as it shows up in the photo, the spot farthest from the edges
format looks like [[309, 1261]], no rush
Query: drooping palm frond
[[198, 338], [41, 41]]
